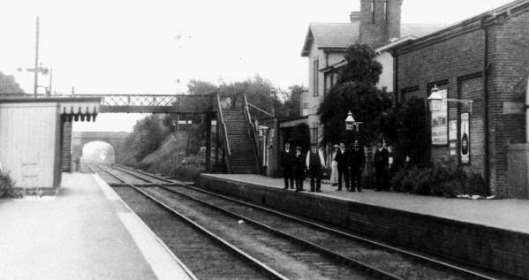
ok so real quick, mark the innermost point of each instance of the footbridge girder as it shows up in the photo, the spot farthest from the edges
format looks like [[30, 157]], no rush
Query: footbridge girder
[[155, 103]]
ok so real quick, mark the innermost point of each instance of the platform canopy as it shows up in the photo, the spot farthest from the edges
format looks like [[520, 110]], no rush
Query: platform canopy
[[70, 108]]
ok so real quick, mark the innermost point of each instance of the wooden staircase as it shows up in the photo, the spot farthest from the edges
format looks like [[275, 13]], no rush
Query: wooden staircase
[[239, 140]]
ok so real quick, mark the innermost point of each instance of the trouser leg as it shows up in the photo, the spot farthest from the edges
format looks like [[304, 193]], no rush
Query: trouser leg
[[340, 178], [347, 178]]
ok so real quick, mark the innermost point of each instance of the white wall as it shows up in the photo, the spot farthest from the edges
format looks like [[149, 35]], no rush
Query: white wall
[[386, 78], [28, 142]]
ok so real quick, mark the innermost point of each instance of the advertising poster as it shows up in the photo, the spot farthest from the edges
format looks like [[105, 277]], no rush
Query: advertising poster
[[465, 139], [440, 121], [452, 137]]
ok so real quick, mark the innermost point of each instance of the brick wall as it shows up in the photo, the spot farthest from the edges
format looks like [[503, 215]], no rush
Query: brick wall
[[450, 64], [467, 243], [509, 66], [459, 60], [473, 89]]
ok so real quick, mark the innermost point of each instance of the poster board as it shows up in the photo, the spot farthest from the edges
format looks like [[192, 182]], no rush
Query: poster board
[[465, 138], [439, 119]]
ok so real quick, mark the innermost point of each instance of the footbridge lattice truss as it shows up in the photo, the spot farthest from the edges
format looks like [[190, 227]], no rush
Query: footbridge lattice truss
[[154, 103]]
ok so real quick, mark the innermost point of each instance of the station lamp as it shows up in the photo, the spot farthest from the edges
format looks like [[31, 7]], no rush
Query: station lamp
[[351, 123], [436, 99]]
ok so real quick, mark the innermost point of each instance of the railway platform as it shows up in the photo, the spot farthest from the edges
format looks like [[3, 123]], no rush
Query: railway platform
[[492, 234], [85, 232]]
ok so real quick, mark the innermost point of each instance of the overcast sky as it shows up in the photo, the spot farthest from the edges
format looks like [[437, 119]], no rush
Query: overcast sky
[[157, 46]]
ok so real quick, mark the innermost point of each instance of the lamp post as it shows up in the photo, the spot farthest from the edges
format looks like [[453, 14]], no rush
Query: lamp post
[[436, 99], [351, 124]]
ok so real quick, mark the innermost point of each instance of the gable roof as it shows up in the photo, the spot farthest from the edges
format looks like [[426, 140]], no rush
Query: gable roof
[[342, 35], [330, 36]]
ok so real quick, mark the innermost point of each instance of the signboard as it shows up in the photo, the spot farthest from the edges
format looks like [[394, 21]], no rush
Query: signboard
[[452, 137], [440, 120], [452, 130], [465, 138]]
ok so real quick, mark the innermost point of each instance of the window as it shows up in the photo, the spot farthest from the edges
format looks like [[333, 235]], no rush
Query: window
[[373, 11], [386, 11], [314, 135], [315, 78]]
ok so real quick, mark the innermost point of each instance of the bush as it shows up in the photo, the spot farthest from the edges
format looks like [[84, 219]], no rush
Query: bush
[[446, 179], [7, 186]]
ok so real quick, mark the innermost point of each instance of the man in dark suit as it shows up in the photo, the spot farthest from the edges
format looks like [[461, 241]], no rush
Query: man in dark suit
[[381, 166], [286, 160], [315, 164], [357, 161], [343, 170], [298, 169]]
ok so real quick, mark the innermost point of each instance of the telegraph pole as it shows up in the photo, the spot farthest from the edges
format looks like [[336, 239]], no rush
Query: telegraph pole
[[36, 79]]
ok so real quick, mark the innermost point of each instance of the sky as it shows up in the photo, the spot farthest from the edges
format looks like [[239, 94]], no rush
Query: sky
[[157, 46]]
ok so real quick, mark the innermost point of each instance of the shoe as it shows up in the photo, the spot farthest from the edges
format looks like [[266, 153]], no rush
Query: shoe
[[339, 190]]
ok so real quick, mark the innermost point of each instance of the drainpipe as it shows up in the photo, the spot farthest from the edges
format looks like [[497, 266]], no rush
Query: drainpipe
[[527, 111], [486, 99]]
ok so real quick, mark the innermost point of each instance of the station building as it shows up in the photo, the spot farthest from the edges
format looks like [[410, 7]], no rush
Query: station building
[[485, 60], [378, 23], [33, 135]]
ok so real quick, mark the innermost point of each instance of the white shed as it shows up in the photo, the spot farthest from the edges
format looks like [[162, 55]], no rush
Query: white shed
[[31, 136]]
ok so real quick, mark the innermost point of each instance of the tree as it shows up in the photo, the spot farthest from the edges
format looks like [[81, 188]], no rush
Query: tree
[[356, 91], [148, 134], [8, 85], [408, 130], [291, 108], [259, 92]]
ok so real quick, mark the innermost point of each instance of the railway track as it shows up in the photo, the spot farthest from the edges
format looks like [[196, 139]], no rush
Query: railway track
[[206, 254], [358, 253]]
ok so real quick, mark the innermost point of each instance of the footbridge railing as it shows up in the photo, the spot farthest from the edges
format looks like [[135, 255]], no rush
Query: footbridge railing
[[154, 103]]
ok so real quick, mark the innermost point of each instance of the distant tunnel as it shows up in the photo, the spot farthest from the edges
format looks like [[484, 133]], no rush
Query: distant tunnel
[[98, 152]]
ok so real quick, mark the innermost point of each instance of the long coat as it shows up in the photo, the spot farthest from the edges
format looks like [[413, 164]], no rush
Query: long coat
[[287, 161], [298, 166], [357, 158]]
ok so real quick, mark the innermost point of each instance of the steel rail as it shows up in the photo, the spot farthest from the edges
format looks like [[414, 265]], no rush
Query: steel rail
[[353, 237], [355, 264], [417, 256], [159, 178], [245, 257]]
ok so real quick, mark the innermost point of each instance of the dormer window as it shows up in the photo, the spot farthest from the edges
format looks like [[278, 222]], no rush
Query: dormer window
[[373, 11]]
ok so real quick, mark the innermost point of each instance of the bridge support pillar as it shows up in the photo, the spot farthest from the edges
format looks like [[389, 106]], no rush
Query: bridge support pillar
[[208, 142], [66, 146]]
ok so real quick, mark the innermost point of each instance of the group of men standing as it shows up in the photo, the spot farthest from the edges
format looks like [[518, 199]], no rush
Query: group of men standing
[[295, 165], [350, 162]]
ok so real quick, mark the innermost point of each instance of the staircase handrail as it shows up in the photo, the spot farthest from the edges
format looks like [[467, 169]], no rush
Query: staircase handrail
[[261, 110], [224, 132], [251, 132]]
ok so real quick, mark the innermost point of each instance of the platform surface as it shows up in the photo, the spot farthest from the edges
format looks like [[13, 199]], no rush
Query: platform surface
[[85, 232], [508, 214]]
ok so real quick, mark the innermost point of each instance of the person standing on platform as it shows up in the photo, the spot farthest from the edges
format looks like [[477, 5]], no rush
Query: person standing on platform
[[381, 166], [343, 171], [357, 162], [286, 160], [315, 163], [298, 169], [334, 166]]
